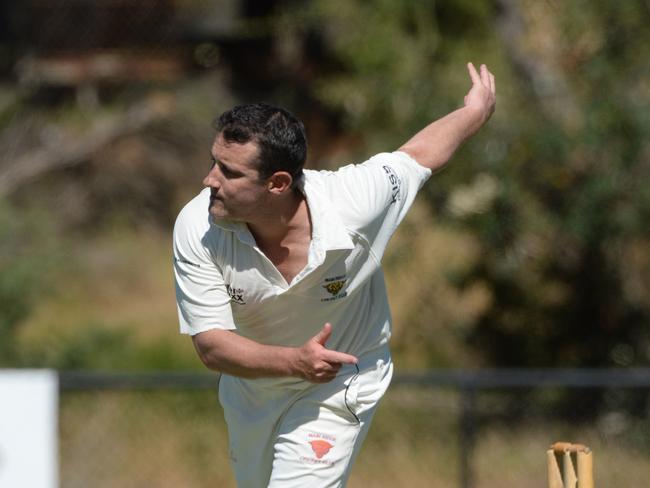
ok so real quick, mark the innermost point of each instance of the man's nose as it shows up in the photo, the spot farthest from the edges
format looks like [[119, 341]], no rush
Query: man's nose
[[211, 180]]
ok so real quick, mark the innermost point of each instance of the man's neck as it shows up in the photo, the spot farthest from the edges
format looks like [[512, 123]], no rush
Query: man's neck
[[290, 219]]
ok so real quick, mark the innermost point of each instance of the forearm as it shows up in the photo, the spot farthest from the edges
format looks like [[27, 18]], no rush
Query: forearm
[[434, 145], [229, 353]]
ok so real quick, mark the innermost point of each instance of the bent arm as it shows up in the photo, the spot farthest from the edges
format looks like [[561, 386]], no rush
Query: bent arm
[[230, 353], [434, 145], [227, 352]]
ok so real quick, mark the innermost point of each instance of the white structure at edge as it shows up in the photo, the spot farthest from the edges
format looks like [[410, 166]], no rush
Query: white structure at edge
[[28, 428]]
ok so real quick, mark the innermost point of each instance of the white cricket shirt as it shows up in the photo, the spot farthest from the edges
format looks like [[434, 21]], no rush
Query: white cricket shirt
[[224, 281]]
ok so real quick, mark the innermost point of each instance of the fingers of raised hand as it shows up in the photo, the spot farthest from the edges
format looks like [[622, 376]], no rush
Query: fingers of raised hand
[[485, 76], [473, 73]]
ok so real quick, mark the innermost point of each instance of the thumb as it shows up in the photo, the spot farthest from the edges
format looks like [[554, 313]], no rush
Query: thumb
[[324, 334]]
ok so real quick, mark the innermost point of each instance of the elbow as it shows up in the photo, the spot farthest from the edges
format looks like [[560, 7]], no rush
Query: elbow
[[207, 353], [425, 157], [210, 361], [206, 359]]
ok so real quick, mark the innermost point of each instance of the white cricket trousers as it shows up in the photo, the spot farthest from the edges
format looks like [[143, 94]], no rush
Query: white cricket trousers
[[300, 434]]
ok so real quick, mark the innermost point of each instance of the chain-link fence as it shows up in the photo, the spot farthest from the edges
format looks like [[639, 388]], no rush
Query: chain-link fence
[[478, 429]]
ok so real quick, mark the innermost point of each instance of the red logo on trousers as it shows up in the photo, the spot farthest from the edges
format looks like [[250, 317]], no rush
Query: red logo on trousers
[[320, 447]]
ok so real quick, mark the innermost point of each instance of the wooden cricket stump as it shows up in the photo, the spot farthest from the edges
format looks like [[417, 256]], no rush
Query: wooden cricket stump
[[570, 466]]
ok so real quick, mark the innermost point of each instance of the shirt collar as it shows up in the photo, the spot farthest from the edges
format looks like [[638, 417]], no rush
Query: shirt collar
[[240, 229], [328, 231]]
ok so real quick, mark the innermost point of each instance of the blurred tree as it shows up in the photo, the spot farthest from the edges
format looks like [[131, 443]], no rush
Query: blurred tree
[[26, 259], [554, 189]]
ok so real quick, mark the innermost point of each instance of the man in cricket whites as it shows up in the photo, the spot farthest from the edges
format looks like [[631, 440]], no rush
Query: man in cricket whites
[[279, 284]]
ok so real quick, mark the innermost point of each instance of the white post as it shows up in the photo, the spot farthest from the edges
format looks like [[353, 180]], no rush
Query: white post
[[28, 428]]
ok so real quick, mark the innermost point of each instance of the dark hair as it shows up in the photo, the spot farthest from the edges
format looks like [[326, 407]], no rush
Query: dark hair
[[279, 135]]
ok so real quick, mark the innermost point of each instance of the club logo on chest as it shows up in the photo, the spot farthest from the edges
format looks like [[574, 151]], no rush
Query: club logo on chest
[[334, 286]]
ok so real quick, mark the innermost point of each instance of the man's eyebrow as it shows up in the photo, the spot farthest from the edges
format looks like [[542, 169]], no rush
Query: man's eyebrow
[[223, 165]]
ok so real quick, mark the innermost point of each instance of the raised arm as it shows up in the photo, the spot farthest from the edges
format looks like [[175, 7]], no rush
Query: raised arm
[[227, 352], [434, 145]]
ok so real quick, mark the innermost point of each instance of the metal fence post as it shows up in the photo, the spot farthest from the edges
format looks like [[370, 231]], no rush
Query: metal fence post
[[467, 431]]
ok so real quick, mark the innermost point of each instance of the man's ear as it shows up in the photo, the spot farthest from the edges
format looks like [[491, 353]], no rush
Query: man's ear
[[279, 182]]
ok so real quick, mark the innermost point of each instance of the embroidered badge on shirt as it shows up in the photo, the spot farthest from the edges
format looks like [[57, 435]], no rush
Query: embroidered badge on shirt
[[236, 294], [334, 286]]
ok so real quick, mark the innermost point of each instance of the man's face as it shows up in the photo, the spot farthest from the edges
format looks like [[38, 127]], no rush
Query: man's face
[[236, 191]]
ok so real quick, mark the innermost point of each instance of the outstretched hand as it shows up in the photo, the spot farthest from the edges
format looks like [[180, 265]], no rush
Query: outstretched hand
[[317, 364], [434, 145], [482, 95]]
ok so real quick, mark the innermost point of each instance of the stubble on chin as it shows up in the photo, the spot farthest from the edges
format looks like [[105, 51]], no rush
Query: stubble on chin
[[216, 211]]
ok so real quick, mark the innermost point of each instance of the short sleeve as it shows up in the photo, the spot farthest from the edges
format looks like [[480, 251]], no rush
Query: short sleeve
[[378, 193], [201, 296]]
